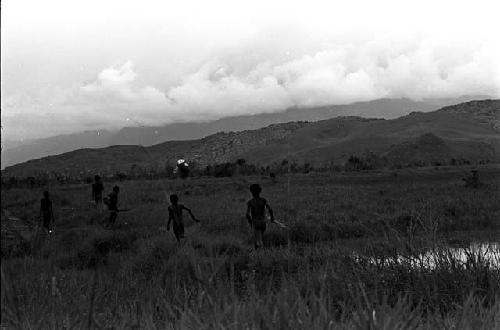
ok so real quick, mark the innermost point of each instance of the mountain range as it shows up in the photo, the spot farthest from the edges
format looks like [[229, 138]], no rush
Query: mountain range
[[467, 131], [14, 152]]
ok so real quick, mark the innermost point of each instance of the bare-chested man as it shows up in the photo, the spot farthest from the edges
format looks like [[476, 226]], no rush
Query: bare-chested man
[[256, 214], [175, 216]]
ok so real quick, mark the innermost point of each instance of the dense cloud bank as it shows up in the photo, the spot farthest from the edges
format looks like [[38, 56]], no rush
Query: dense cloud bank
[[337, 75]]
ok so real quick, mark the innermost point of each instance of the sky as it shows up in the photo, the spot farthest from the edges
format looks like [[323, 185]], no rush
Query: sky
[[70, 66]]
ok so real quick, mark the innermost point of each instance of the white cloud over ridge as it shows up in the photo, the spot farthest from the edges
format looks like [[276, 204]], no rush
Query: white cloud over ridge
[[333, 76], [165, 61], [339, 74]]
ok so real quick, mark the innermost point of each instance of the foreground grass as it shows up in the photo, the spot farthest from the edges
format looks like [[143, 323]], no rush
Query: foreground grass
[[200, 286], [319, 274]]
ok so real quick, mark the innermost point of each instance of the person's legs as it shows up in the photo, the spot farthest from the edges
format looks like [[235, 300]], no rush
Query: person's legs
[[178, 232], [112, 217], [261, 236], [46, 223], [98, 202], [177, 235], [259, 228], [258, 238]]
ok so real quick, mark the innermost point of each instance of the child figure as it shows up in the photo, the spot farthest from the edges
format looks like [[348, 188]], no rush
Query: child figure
[[175, 216], [256, 214], [112, 203], [46, 213]]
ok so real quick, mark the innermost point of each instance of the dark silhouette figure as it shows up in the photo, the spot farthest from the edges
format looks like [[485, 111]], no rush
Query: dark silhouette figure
[[112, 202], [46, 213], [256, 214], [175, 216], [97, 189]]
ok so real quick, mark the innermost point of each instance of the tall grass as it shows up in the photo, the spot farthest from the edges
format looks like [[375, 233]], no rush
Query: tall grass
[[347, 260], [318, 287]]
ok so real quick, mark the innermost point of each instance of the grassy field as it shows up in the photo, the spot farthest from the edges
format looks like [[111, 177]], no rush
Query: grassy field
[[345, 261]]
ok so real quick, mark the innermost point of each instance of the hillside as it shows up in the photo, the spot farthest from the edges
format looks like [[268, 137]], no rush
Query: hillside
[[484, 111], [17, 152], [216, 148], [463, 132]]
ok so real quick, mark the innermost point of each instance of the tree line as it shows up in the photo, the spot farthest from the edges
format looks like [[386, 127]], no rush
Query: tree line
[[239, 167]]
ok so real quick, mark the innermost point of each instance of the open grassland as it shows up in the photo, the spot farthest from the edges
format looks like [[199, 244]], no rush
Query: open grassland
[[346, 259]]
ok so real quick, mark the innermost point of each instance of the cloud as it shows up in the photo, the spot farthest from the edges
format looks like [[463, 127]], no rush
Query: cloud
[[115, 86], [214, 91], [341, 73]]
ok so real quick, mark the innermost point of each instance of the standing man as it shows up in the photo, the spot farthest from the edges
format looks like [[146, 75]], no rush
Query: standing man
[[97, 189], [112, 202], [46, 213], [175, 215], [256, 214]]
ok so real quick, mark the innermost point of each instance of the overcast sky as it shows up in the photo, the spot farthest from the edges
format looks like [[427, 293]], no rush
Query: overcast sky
[[76, 65]]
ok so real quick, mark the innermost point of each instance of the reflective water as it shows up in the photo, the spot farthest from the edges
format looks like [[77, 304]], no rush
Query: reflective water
[[477, 254]]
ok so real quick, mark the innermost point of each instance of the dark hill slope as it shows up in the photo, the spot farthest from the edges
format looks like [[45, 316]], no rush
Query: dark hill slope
[[462, 136], [216, 148], [466, 131], [486, 111], [17, 152]]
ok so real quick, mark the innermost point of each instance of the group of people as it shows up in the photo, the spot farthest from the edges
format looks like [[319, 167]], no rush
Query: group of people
[[255, 214]]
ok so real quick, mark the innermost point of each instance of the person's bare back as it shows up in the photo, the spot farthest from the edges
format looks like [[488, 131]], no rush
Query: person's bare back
[[256, 214], [257, 208]]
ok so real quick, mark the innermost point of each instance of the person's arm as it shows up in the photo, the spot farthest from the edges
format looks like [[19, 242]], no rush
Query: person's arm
[[169, 218], [190, 213], [271, 214], [93, 193], [249, 215]]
